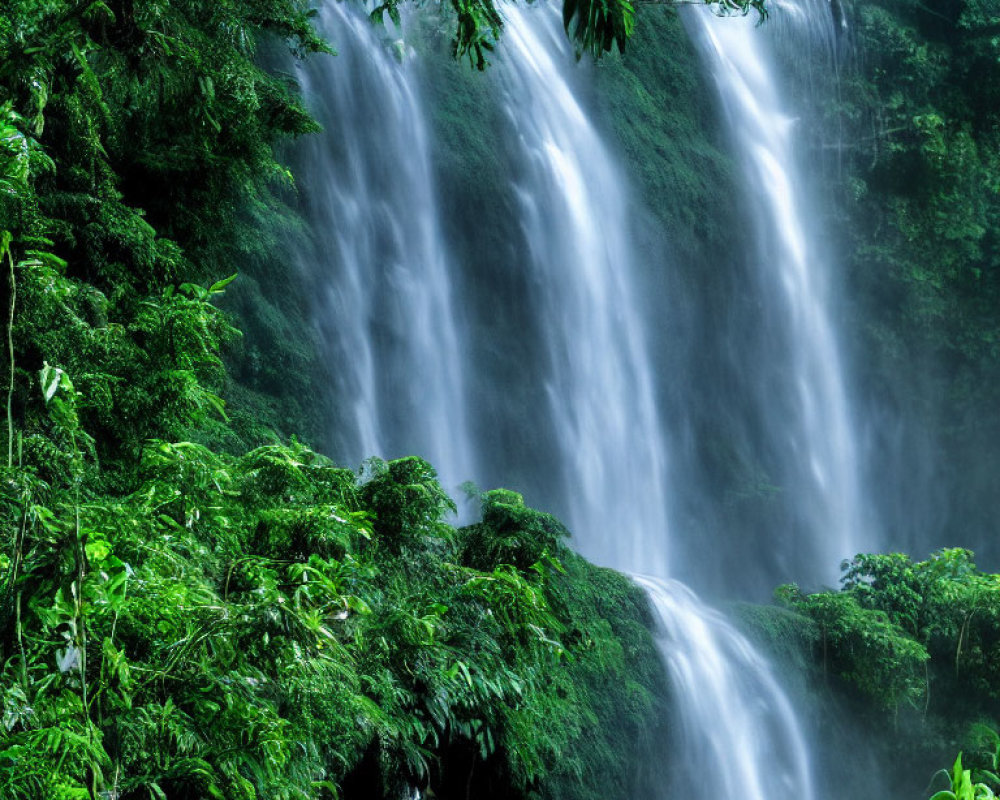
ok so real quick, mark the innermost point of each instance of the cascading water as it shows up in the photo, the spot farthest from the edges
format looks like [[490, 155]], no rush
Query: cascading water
[[800, 386], [738, 733], [600, 388], [384, 296], [739, 736], [388, 310]]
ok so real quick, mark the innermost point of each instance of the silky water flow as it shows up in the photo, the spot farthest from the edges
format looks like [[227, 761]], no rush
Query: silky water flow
[[798, 378], [738, 736], [383, 297], [388, 311]]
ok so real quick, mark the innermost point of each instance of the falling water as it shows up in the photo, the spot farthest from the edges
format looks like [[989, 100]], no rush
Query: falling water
[[384, 293], [600, 388], [389, 317], [805, 414], [738, 733], [739, 736]]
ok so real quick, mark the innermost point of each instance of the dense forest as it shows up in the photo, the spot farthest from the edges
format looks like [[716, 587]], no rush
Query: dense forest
[[197, 602], [197, 606]]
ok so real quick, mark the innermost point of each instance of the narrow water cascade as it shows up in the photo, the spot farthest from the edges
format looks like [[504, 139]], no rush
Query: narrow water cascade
[[738, 732], [574, 203], [383, 277], [803, 404]]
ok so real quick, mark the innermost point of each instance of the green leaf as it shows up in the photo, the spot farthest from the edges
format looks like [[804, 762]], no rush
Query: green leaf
[[219, 286], [51, 378], [43, 258]]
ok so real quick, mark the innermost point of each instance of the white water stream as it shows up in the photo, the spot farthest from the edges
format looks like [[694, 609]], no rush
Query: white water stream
[[574, 206], [806, 412], [739, 737], [389, 313], [384, 302]]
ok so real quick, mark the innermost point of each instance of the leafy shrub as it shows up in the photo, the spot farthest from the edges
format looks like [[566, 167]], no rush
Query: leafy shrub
[[510, 533]]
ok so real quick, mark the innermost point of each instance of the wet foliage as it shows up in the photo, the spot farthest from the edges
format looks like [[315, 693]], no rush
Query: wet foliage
[[917, 116], [267, 626]]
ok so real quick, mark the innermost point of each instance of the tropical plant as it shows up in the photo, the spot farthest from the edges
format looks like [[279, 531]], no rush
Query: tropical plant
[[962, 787]]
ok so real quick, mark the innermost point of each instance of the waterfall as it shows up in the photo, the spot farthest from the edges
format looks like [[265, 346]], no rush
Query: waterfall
[[384, 289], [739, 736], [574, 218], [738, 732], [799, 382], [385, 303]]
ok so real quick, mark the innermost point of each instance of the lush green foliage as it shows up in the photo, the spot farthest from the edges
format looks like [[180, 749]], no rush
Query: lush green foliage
[[265, 626], [916, 113], [927, 171], [981, 782], [962, 787], [918, 160], [142, 153], [906, 646], [924, 634], [177, 621]]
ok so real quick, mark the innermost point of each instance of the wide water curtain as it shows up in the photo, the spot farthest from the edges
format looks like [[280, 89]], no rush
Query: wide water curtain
[[383, 272], [389, 294]]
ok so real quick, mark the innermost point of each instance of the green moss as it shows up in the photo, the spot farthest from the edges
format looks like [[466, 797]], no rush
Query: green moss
[[659, 104]]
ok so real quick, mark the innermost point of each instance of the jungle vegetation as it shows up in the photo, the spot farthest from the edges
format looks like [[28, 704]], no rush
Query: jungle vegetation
[[194, 604], [914, 145], [907, 652]]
